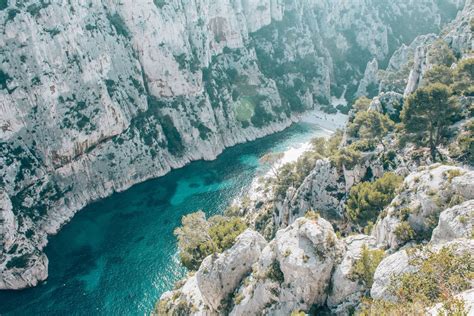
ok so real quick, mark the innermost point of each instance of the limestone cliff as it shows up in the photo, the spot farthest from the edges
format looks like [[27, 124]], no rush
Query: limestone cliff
[[306, 266], [96, 96]]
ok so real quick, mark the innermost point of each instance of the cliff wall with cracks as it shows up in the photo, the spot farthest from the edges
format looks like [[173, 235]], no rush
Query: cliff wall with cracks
[[97, 95]]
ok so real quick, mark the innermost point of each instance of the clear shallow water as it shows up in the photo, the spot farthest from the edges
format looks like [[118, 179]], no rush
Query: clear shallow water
[[118, 255]]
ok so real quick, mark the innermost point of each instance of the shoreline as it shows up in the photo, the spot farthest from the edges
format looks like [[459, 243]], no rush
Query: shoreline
[[328, 123]]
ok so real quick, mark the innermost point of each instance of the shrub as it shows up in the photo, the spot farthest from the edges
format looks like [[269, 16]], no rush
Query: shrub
[[224, 230], [274, 272], [438, 278], [439, 274], [364, 268], [370, 126], [312, 215], [367, 199], [198, 238], [404, 232], [18, 262], [451, 174]]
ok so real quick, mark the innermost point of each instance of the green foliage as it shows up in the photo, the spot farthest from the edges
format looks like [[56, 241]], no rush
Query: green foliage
[[440, 54], [175, 143], [347, 157], [438, 74], [119, 25], [367, 199], [274, 272], [198, 238], [362, 104], [453, 173], [194, 241], [439, 274], [364, 268], [427, 115], [438, 277], [464, 77], [159, 3], [3, 4], [463, 147], [370, 126], [260, 116], [404, 232], [224, 230], [18, 262]]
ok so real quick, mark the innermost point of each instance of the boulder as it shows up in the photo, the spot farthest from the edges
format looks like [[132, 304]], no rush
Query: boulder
[[219, 275], [455, 222]]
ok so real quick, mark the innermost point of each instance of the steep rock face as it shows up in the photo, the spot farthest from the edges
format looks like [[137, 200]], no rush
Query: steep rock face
[[218, 276], [95, 97], [324, 189], [291, 272], [368, 86], [321, 190]]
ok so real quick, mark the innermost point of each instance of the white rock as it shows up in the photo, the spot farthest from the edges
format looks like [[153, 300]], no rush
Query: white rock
[[424, 195], [346, 292], [455, 222], [399, 263], [219, 275], [306, 253]]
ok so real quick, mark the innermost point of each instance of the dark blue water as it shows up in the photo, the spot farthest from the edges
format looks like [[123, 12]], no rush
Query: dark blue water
[[118, 255]]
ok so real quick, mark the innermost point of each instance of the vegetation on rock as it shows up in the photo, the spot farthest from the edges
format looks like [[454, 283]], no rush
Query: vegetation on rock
[[364, 268], [367, 199], [199, 238]]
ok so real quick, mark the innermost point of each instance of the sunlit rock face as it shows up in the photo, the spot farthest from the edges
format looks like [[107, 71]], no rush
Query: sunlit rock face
[[96, 96]]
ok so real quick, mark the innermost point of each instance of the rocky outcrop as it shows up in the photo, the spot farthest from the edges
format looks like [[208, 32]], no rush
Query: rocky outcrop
[[424, 195], [293, 272], [392, 266], [172, 82], [369, 85], [400, 263], [206, 292], [345, 291], [8, 224], [325, 188], [321, 190], [456, 222], [220, 275]]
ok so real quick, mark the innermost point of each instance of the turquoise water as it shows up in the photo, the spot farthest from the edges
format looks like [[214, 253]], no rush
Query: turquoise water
[[119, 254]]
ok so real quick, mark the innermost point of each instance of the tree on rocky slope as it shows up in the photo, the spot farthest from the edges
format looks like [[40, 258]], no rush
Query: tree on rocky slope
[[367, 199], [427, 115], [371, 125], [198, 237]]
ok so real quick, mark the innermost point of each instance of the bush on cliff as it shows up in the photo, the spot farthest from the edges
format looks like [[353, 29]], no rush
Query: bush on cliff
[[198, 237], [438, 278], [367, 199]]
